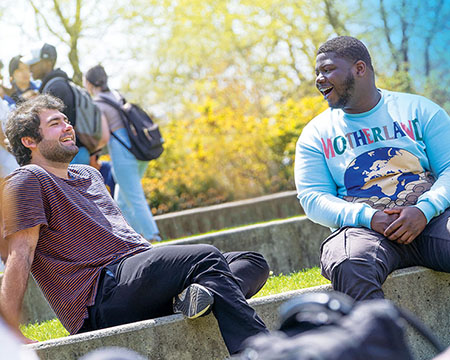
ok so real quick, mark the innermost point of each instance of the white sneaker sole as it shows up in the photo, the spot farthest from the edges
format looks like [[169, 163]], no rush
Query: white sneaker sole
[[193, 302]]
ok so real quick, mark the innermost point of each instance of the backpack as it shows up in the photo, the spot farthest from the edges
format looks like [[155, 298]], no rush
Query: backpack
[[145, 137], [88, 120]]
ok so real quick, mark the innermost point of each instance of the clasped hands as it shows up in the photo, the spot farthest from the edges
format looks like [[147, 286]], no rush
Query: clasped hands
[[401, 224]]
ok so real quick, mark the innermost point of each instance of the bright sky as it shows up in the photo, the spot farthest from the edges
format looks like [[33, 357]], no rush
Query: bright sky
[[110, 48], [17, 40]]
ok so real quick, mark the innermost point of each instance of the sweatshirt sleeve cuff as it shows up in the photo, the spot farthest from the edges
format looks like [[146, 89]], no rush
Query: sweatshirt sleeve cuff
[[428, 209], [365, 216]]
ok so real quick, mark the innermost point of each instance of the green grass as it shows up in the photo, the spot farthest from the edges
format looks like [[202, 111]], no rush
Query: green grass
[[53, 329], [299, 280], [47, 330]]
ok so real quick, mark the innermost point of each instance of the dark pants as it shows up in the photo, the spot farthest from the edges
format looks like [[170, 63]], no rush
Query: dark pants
[[358, 260], [143, 286]]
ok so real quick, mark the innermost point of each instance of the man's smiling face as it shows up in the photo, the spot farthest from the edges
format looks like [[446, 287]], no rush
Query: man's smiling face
[[335, 80], [58, 137]]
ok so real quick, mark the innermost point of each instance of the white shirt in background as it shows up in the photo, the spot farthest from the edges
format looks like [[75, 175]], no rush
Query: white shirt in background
[[7, 161]]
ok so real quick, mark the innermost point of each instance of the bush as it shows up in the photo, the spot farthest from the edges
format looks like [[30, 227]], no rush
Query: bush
[[225, 154]]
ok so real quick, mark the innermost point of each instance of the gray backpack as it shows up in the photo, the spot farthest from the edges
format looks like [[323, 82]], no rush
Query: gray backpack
[[88, 121]]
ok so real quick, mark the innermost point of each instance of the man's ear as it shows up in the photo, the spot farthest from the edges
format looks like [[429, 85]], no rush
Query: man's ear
[[50, 64], [360, 68], [29, 142]]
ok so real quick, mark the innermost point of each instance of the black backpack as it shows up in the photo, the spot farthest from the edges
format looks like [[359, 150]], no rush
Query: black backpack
[[88, 121], [145, 137]]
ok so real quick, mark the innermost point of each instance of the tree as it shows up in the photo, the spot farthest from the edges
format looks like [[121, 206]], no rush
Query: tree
[[436, 17], [72, 26], [192, 47], [332, 15], [68, 21], [408, 22]]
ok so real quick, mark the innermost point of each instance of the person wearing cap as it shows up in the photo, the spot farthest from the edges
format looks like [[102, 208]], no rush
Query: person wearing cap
[[23, 87], [42, 66]]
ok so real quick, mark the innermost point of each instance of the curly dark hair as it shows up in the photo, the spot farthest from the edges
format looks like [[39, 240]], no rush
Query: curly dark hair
[[347, 47], [24, 121]]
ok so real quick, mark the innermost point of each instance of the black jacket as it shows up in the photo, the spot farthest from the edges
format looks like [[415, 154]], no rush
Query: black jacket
[[62, 90]]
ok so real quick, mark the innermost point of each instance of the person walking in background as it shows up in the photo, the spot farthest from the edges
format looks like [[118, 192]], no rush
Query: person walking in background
[[127, 170], [56, 82], [23, 88], [105, 169]]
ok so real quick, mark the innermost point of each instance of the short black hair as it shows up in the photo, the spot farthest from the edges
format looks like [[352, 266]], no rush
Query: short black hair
[[97, 76], [14, 64], [347, 47], [24, 121]]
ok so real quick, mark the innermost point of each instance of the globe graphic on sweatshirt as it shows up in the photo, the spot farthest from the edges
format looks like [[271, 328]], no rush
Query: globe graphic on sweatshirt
[[386, 177]]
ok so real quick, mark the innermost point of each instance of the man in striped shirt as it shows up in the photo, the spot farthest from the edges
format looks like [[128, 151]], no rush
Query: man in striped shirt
[[60, 223]]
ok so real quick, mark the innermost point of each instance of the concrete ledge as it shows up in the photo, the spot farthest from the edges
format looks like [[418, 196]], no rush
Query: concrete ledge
[[426, 294], [200, 220], [420, 290], [288, 245]]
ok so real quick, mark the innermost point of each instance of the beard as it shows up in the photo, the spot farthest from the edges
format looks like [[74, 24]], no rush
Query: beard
[[53, 151], [348, 86]]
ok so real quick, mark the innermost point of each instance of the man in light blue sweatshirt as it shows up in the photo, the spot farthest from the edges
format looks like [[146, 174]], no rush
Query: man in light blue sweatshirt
[[374, 167]]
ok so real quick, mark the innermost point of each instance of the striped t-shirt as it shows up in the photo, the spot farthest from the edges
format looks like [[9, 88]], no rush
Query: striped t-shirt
[[82, 230]]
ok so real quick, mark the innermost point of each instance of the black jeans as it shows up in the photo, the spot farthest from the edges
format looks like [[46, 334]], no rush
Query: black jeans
[[142, 287], [358, 260]]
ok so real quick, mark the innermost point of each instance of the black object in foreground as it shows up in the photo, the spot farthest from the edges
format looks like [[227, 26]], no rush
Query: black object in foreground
[[330, 326]]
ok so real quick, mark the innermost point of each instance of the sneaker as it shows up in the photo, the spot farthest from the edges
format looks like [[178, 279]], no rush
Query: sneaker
[[193, 302]]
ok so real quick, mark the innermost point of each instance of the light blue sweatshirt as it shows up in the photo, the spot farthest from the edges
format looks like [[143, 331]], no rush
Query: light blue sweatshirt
[[348, 166]]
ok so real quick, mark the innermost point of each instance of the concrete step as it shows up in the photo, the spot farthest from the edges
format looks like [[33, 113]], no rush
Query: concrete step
[[201, 220], [420, 290], [288, 246]]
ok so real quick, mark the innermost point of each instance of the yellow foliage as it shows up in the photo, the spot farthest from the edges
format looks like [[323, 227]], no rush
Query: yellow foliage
[[224, 154]]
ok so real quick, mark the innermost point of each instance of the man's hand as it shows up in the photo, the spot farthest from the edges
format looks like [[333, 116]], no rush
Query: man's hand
[[410, 223], [381, 220], [23, 339], [21, 248]]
